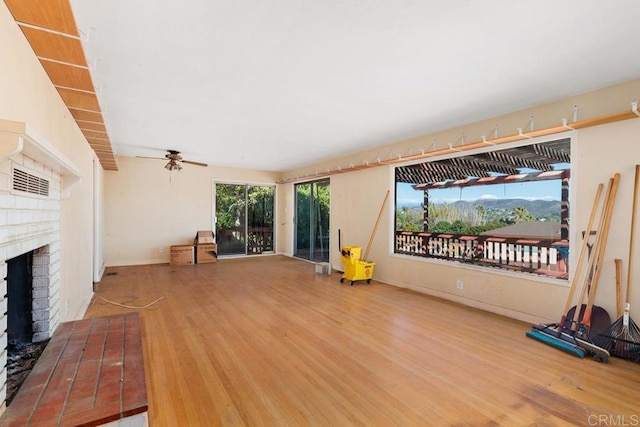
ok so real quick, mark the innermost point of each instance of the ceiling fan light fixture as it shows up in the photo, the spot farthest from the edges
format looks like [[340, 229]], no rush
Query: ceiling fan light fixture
[[173, 165], [174, 160]]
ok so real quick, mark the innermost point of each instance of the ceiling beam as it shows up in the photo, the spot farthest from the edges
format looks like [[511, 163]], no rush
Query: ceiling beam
[[453, 170], [559, 156], [492, 180], [484, 164], [518, 162], [50, 28]]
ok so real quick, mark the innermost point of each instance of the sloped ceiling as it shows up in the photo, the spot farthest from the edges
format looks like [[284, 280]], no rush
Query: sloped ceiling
[[277, 85]]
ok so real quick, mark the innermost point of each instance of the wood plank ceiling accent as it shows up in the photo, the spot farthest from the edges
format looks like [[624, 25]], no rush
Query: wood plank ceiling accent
[[50, 29]]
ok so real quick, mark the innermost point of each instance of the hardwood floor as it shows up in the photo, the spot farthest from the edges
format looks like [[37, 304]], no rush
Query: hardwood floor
[[266, 341]]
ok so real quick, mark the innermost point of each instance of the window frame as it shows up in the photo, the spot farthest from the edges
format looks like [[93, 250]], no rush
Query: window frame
[[570, 135]]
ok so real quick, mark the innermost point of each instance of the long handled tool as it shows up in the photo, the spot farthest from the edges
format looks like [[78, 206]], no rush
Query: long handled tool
[[583, 331], [569, 342], [581, 256], [585, 324], [546, 333], [375, 227], [623, 336], [573, 316], [619, 308]]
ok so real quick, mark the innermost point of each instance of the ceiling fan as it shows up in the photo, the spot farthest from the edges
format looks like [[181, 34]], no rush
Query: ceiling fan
[[175, 159]]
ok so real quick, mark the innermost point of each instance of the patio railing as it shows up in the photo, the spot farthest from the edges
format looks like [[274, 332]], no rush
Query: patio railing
[[544, 257]]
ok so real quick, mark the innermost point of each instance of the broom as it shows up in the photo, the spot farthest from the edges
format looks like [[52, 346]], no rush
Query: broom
[[622, 338]]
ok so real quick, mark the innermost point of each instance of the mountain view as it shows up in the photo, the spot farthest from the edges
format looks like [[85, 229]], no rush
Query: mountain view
[[473, 217], [548, 210]]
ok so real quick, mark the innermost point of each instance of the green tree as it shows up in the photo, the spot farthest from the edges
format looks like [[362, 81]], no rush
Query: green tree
[[459, 227], [441, 227], [230, 205], [481, 215], [409, 219], [305, 203], [260, 205], [521, 214]]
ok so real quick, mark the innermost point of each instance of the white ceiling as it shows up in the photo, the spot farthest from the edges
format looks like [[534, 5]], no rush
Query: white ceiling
[[280, 84]]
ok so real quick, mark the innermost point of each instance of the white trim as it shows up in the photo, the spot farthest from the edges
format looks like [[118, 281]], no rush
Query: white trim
[[137, 262], [98, 222], [503, 311]]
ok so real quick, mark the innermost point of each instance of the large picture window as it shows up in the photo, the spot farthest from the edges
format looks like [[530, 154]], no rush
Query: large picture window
[[505, 209]]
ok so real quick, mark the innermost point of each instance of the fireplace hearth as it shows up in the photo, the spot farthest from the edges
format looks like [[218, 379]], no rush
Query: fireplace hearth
[[21, 358]]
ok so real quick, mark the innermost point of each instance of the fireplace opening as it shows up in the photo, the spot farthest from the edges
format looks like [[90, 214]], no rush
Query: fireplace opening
[[20, 295], [22, 351]]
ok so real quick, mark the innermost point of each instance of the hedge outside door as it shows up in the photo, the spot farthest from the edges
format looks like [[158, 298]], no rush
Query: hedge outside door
[[312, 221], [244, 218]]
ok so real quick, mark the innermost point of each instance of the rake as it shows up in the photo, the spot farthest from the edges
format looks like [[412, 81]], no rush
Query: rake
[[622, 338]]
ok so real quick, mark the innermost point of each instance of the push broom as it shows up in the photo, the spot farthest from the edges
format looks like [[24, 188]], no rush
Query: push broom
[[622, 338]]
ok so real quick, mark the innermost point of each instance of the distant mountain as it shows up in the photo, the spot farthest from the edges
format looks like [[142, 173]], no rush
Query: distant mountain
[[410, 205], [538, 208], [501, 208]]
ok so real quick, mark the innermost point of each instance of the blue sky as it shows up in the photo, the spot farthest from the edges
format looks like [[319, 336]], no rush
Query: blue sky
[[532, 190], [541, 190]]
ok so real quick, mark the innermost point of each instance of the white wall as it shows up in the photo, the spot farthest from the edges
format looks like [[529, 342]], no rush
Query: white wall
[[27, 95], [604, 151], [145, 211], [598, 153], [26, 223], [148, 207]]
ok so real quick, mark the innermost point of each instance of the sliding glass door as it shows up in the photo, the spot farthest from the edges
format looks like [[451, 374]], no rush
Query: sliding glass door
[[260, 208], [244, 218], [312, 221]]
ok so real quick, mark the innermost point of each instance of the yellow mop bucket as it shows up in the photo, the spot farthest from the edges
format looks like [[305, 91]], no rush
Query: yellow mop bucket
[[355, 268], [350, 254]]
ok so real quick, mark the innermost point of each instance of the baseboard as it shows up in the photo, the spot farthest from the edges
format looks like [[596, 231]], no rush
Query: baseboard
[[138, 262], [512, 314], [82, 311], [98, 277]]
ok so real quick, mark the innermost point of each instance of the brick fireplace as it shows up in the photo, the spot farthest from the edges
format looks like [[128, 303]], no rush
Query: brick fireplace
[[34, 178]]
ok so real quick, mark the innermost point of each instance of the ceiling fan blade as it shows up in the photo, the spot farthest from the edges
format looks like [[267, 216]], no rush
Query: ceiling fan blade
[[194, 163], [155, 158]]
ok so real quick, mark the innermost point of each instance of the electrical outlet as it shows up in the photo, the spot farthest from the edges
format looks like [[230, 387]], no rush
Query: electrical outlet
[[459, 284], [161, 249]]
